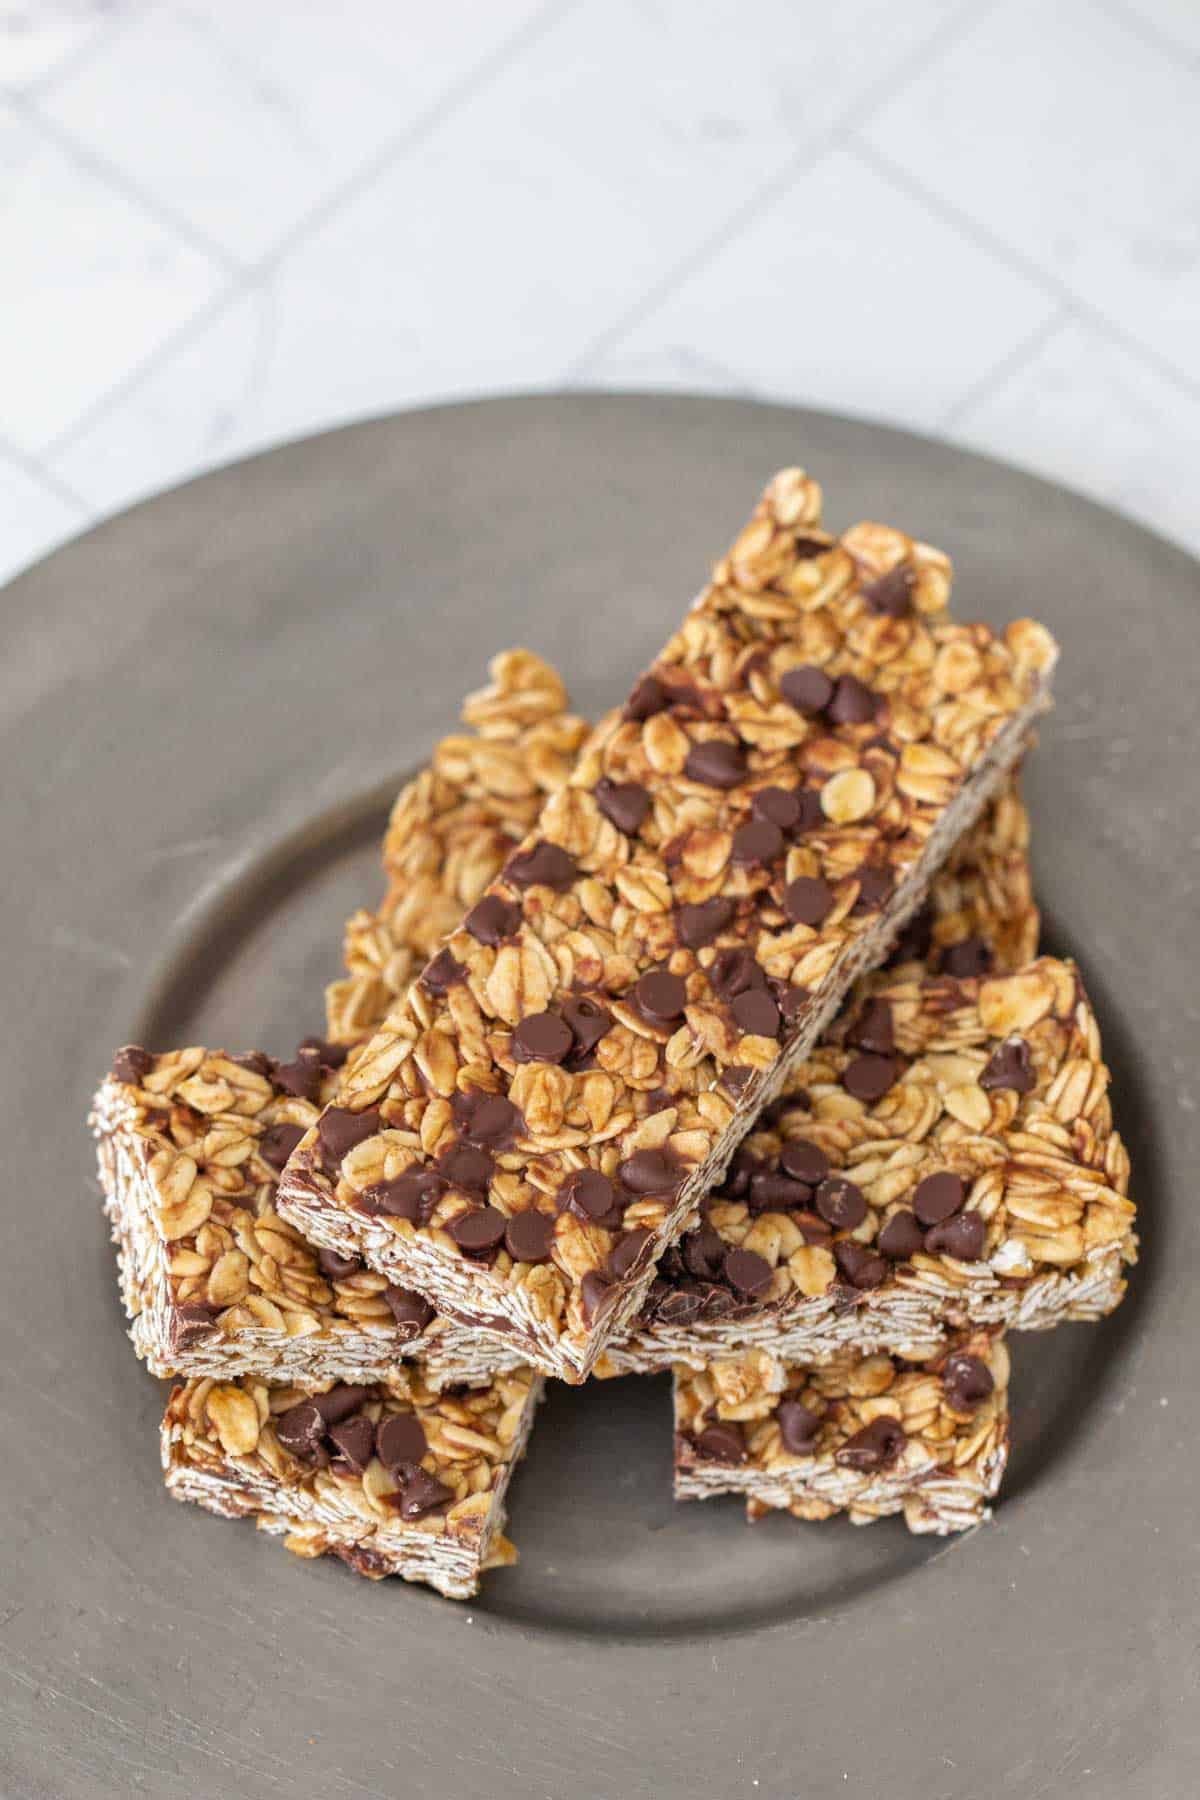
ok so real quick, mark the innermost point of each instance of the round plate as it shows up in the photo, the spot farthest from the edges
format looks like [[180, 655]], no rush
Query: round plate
[[206, 705]]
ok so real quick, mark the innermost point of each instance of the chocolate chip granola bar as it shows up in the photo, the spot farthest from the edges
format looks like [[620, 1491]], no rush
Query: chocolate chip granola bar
[[535, 1124]]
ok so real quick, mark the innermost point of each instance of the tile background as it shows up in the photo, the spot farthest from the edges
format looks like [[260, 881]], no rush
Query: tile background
[[228, 224]]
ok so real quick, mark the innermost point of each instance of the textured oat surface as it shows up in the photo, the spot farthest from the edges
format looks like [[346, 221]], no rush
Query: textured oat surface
[[867, 1435], [823, 668], [392, 1478]]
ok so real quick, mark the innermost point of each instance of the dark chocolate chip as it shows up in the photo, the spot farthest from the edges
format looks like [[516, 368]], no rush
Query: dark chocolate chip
[[626, 1254], [651, 1172], [545, 865], [648, 697], [804, 1161], [624, 803], [853, 702], [588, 1021], [529, 1235], [1010, 1066], [799, 1427], [332, 1055], [967, 960], [412, 1196], [891, 594], [716, 763], [774, 1192], [868, 1078], [938, 1196], [277, 1143], [588, 1194], [811, 814], [901, 1237], [961, 1237], [722, 1443], [594, 1290], [541, 1037], [874, 889], [300, 1430], [354, 1440], [703, 1253], [808, 900], [492, 919], [340, 1401], [424, 1494], [808, 547], [696, 926], [917, 941], [807, 688], [467, 1166], [486, 1118], [132, 1064], [874, 1447], [400, 1442], [339, 1131], [756, 1013], [757, 843], [478, 1231], [841, 1203], [259, 1063], [744, 1164], [860, 1266], [302, 1078], [966, 1381], [680, 1307], [660, 997], [736, 1078], [734, 971], [812, 1229], [408, 1308], [874, 1029], [748, 1272], [442, 973], [778, 806], [191, 1324]]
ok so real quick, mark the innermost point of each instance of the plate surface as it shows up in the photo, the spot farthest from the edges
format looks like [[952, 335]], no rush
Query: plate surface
[[204, 707]]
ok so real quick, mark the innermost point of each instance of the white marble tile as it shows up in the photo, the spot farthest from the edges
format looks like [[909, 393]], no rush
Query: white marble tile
[[243, 117], [1088, 413], [844, 293], [38, 38], [89, 286], [1175, 24], [1073, 139], [34, 518]]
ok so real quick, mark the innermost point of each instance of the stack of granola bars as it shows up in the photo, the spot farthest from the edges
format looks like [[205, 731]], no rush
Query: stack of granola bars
[[712, 1039]]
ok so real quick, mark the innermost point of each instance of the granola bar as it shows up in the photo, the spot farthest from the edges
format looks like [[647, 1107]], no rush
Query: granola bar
[[864, 1435], [393, 1478], [535, 1123], [945, 1158]]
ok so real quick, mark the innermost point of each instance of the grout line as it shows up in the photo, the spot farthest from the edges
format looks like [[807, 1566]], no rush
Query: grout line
[[1018, 262], [1007, 366], [79, 58], [1152, 36], [905, 70], [37, 471]]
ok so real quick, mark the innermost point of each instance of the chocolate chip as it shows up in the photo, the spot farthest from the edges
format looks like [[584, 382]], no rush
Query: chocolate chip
[[467, 1166], [479, 1231], [588, 1021], [492, 919], [965, 961], [259, 1063], [716, 763], [736, 1078], [808, 547], [301, 1079], [756, 1013], [626, 1254], [528, 1236], [891, 594], [874, 1447], [841, 1203], [734, 971], [277, 1143], [853, 702], [588, 1194], [868, 1078], [423, 1494], [339, 1131], [703, 1253], [408, 1308], [808, 900], [300, 1430], [354, 1440], [486, 1118], [412, 1196], [812, 815], [660, 997], [722, 1443], [545, 865], [624, 803], [874, 889], [442, 973], [696, 926], [938, 1196], [757, 843], [966, 1381], [340, 1401], [799, 1427], [874, 1029], [748, 1272], [861, 1267], [807, 688], [651, 1172], [901, 1237], [594, 1290], [917, 941], [804, 1161], [773, 1192], [1010, 1066], [332, 1055], [679, 1307], [648, 697], [132, 1064], [191, 1324], [778, 806], [400, 1443], [541, 1037], [961, 1237]]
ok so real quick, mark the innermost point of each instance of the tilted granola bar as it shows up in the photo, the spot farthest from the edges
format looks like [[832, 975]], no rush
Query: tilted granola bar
[[392, 1478], [864, 1435], [532, 1127]]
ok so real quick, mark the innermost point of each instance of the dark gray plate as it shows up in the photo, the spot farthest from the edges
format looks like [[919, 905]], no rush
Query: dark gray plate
[[205, 707]]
